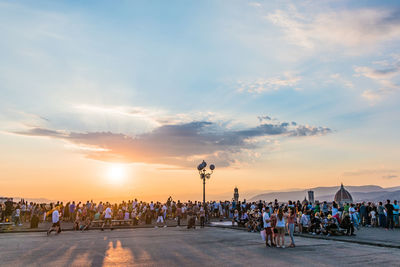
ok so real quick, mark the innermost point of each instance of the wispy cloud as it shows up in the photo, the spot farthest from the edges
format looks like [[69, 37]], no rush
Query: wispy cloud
[[390, 176], [358, 29], [384, 173], [384, 77], [261, 85], [179, 144], [340, 79], [255, 4]]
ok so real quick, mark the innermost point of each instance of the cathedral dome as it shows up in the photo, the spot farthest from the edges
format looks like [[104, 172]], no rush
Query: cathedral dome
[[343, 196]]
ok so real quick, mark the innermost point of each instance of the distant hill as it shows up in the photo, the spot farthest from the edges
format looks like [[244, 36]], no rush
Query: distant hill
[[359, 193], [370, 196]]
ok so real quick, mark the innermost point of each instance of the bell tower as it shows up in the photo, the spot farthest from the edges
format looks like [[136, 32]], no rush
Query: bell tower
[[236, 194]]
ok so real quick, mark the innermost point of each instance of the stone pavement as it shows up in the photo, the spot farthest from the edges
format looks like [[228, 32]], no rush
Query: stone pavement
[[181, 247], [365, 235], [373, 236], [368, 236], [44, 226]]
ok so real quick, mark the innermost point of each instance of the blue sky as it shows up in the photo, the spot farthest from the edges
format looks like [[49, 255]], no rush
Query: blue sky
[[134, 67]]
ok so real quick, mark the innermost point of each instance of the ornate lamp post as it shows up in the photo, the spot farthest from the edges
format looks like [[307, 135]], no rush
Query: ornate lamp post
[[205, 175]]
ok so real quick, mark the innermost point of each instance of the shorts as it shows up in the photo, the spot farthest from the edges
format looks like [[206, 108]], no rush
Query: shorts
[[268, 231], [275, 231], [280, 230], [107, 221], [56, 224]]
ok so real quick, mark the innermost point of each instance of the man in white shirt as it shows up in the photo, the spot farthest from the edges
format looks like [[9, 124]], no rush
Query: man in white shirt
[[107, 218], [55, 217], [267, 227], [164, 210]]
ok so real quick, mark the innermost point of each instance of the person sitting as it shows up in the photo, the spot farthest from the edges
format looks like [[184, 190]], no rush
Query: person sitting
[[324, 224], [316, 224], [86, 224], [243, 219], [76, 222], [305, 222], [235, 218], [347, 224], [332, 226]]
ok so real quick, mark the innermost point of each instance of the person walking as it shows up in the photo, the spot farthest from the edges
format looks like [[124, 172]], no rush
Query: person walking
[[107, 218], [55, 218]]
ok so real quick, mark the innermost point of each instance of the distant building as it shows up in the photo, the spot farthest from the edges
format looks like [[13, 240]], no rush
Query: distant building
[[311, 196], [236, 194], [343, 196]]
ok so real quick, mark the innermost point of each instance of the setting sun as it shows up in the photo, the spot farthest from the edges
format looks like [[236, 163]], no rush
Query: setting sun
[[116, 173]]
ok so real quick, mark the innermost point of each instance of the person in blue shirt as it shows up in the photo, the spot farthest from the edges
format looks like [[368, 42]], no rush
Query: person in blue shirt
[[396, 213]]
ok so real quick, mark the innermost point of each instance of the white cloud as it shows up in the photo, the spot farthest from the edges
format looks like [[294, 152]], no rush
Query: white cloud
[[262, 85], [373, 95]]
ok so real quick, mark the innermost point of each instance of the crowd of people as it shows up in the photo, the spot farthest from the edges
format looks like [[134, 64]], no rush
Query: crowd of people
[[272, 219], [85, 215]]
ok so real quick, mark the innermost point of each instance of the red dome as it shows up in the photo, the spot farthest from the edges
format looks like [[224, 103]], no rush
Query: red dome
[[343, 195]]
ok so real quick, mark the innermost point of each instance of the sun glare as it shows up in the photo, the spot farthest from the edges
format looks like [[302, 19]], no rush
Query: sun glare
[[116, 173]]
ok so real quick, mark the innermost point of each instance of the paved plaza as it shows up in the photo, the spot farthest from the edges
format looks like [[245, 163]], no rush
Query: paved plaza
[[181, 247]]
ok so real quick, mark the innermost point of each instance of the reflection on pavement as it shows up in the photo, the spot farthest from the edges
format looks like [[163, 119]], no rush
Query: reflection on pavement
[[117, 255]]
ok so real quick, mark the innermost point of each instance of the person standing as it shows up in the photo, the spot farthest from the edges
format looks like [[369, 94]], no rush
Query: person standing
[[291, 220], [72, 211], [178, 213], [267, 227], [389, 215], [24, 209], [353, 215], [280, 227], [55, 218], [202, 215], [373, 217], [381, 215], [17, 216], [363, 214], [160, 217], [396, 213]]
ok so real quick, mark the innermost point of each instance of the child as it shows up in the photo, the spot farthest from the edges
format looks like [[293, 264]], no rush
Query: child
[[373, 218]]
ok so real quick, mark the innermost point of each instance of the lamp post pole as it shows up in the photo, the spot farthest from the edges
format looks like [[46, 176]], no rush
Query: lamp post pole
[[204, 192], [205, 175]]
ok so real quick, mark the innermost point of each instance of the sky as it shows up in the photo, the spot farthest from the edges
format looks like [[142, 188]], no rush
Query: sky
[[122, 99]]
